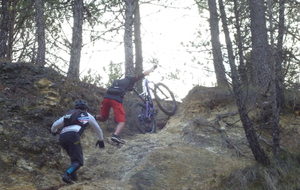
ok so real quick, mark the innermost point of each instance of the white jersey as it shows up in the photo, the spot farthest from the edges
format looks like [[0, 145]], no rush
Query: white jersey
[[84, 119]]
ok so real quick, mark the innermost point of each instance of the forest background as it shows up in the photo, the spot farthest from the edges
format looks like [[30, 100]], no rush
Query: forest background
[[163, 41], [258, 60]]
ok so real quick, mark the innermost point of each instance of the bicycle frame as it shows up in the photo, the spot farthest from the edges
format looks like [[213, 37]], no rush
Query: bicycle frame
[[146, 97], [144, 113]]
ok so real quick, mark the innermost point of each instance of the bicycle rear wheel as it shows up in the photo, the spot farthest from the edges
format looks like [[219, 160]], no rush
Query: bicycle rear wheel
[[165, 99], [143, 123]]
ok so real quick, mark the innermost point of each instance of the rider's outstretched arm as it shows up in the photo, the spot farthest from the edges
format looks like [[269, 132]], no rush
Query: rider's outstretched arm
[[147, 72]]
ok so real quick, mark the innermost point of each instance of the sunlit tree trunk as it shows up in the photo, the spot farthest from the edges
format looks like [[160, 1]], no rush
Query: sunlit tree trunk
[[128, 42], [216, 45], [251, 136], [76, 46], [40, 60]]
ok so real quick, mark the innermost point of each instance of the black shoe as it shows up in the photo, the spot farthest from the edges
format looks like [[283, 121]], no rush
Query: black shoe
[[67, 178], [74, 176], [117, 139]]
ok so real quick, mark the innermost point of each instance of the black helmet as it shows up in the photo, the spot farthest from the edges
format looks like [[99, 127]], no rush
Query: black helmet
[[81, 104]]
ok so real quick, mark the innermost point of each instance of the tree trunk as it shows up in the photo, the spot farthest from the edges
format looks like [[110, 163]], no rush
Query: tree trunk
[[4, 29], [257, 151], [11, 29], [128, 42], [274, 120], [40, 60], [242, 66], [260, 49], [279, 59], [74, 66], [216, 45], [138, 44]]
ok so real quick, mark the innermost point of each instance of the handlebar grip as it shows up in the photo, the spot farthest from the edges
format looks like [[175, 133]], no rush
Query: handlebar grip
[[154, 67]]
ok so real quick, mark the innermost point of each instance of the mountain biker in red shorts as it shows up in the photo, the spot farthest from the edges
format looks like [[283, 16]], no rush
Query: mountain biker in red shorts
[[113, 99]]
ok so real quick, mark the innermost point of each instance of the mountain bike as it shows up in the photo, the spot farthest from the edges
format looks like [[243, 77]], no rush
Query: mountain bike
[[144, 113]]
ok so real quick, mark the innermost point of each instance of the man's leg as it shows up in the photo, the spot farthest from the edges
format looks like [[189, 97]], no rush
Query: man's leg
[[70, 174], [119, 128], [104, 110], [100, 118], [120, 119], [74, 150], [115, 137]]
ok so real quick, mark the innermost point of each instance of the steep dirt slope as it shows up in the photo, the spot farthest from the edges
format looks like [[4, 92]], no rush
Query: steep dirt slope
[[199, 146]]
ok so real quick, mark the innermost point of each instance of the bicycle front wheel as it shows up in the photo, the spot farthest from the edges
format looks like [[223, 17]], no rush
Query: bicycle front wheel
[[141, 121], [165, 99]]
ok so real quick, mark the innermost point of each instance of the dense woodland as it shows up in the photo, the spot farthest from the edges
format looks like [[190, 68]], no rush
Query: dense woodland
[[259, 60]]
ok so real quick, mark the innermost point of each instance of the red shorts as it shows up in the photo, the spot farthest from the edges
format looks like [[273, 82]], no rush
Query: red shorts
[[118, 108]]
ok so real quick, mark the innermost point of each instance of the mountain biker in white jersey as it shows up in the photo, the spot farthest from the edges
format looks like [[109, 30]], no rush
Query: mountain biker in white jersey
[[72, 126]]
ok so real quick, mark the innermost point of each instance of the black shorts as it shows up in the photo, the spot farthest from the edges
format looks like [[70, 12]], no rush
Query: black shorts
[[70, 141]]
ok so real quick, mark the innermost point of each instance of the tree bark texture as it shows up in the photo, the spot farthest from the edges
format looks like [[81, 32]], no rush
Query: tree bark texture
[[216, 45], [40, 60], [260, 48], [138, 44], [4, 29], [279, 59], [76, 46], [239, 41], [275, 117], [11, 28], [128, 42]]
